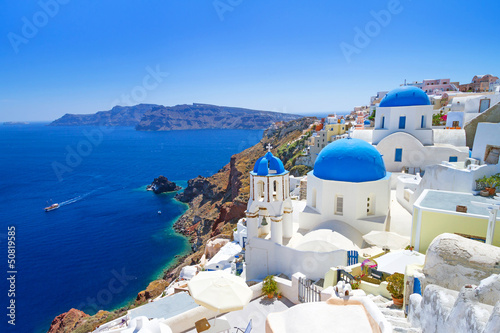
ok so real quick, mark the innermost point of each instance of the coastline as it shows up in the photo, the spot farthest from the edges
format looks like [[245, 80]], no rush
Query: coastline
[[212, 206]]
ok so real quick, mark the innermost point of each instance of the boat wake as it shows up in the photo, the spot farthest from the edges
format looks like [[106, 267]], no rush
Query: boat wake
[[76, 199]]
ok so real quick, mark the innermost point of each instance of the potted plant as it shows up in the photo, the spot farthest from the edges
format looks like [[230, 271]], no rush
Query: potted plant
[[269, 286], [491, 183], [396, 287]]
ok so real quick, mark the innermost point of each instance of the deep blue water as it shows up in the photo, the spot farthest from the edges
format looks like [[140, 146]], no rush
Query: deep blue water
[[107, 242]]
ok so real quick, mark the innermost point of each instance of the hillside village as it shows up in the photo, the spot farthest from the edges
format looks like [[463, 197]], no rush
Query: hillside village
[[381, 220]]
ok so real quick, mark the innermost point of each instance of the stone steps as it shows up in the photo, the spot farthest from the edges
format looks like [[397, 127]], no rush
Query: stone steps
[[394, 315]]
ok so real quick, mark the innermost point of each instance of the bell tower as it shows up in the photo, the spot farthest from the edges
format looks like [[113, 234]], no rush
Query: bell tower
[[269, 210]]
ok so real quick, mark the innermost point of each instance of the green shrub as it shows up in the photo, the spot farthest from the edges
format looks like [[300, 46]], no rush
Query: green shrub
[[396, 285], [269, 285]]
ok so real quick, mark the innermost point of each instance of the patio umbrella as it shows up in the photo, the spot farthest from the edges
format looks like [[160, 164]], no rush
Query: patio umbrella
[[219, 291], [386, 239]]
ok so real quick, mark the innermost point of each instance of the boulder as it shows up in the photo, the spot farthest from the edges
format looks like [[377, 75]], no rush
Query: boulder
[[162, 185], [453, 261], [67, 322], [154, 289], [213, 246]]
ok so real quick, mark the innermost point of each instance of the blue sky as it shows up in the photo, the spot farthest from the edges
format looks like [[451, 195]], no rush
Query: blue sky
[[290, 56]]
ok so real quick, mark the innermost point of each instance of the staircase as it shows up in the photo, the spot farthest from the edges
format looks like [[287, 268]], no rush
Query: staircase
[[394, 315]]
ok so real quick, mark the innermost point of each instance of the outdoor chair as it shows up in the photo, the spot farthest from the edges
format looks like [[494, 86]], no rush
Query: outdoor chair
[[248, 329], [202, 325]]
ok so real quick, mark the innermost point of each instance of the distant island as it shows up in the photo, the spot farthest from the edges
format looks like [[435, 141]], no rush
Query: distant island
[[10, 123], [151, 117], [117, 116]]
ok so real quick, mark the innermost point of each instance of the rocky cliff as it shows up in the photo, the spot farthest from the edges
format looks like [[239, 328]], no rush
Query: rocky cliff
[[204, 116], [216, 203], [118, 116]]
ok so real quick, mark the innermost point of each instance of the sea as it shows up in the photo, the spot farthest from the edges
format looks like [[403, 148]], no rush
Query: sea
[[107, 240]]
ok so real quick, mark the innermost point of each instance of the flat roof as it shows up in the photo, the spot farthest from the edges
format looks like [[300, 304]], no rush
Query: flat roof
[[166, 307], [448, 201]]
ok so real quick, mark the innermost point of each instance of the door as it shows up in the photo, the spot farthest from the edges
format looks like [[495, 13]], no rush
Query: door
[[484, 104], [259, 262]]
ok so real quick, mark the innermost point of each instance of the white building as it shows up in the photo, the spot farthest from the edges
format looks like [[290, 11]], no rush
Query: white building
[[472, 105], [348, 195], [349, 188], [456, 176], [403, 133]]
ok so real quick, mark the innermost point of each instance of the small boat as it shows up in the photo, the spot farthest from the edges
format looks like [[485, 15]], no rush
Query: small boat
[[159, 212], [51, 207]]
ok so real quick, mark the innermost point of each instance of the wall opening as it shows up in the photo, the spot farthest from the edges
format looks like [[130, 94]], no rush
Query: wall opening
[[491, 155], [260, 190], [370, 204], [339, 205]]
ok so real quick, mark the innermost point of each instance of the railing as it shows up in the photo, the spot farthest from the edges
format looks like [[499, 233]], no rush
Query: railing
[[344, 276], [308, 292]]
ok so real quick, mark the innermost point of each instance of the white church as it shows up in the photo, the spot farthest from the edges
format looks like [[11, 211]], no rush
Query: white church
[[348, 195], [403, 133]]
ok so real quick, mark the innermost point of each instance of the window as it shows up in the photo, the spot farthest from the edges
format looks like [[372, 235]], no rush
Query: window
[[453, 159], [339, 205], [399, 155], [492, 154], [313, 199], [422, 122], [455, 123], [383, 122], [370, 205], [402, 122]]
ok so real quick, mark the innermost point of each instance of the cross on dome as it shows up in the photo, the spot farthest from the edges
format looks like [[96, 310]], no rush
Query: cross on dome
[[269, 147]]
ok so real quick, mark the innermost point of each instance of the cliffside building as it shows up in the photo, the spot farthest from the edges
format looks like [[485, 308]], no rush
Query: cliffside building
[[403, 133]]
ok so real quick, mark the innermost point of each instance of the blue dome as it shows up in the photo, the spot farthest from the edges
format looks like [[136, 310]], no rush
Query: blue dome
[[349, 160], [405, 96], [268, 165], [367, 122]]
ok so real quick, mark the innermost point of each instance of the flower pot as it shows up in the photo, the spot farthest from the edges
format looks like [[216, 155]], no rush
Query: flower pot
[[484, 193], [397, 301], [492, 190], [270, 295]]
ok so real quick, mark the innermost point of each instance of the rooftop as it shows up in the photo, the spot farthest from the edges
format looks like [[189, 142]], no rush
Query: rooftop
[[257, 311], [448, 201]]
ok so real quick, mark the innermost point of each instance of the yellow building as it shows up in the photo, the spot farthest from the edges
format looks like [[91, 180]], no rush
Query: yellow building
[[334, 129], [437, 212]]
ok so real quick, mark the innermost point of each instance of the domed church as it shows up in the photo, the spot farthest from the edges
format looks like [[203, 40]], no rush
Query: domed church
[[404, 135], [348, 195], [349, 185]]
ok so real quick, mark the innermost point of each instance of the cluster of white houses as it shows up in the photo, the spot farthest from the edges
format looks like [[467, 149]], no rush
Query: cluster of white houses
[[349, 192]]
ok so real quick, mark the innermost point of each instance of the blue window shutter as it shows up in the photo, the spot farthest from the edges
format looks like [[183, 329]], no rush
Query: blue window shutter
[[399, 155], [402, 122]]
